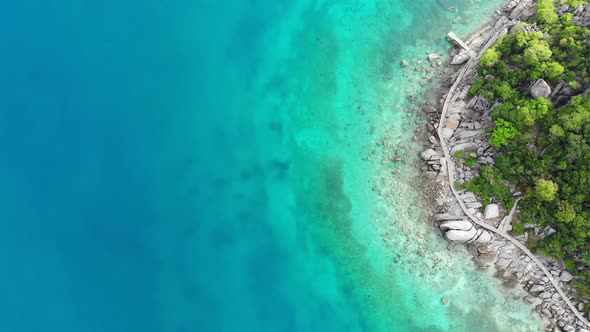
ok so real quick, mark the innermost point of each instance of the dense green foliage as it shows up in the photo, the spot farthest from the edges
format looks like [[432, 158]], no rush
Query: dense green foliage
[[517, 228], [544, 147], [572, 3], [546, 12], [470, 160]]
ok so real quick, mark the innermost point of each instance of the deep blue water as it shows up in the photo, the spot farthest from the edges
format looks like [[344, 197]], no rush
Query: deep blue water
[[114, 141], [91, 95], [192, 166]]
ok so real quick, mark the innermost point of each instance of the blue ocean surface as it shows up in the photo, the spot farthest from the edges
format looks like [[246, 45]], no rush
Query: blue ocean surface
[[212, 166]]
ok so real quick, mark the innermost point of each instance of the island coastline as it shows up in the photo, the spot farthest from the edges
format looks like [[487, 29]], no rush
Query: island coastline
[[464, 130]]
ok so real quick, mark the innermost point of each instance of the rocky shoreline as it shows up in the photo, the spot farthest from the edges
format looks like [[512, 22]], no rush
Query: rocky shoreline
[[463, 127]]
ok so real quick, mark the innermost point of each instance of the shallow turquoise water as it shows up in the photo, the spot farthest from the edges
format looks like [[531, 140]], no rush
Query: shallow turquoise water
[[214, 166]]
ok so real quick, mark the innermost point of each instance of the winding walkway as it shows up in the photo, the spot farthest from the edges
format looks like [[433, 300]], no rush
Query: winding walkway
[[450, 97]]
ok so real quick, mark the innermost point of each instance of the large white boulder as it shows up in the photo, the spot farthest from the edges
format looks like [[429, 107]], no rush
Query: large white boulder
[[460, 58], [565, 276], [462, 225], [540, 89], [430, 154], [492, 211], [461, 236], [453, 122], [456, 107], [484, 237], [468, 133], [447, 133], [463, 147]]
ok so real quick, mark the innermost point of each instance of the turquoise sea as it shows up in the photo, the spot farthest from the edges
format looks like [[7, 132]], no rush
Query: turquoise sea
[[225, 166]]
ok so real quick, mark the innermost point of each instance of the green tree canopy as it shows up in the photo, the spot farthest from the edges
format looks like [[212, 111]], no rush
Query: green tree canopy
[[546, 12], [490, 57], [503, 132], [546, 190], [537, 53]]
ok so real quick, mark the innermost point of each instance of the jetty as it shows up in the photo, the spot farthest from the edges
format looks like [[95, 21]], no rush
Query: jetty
[[457, 41]]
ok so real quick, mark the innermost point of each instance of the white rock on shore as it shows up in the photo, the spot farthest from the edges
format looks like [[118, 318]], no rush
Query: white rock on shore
[[447, 133], [461, 236], [430, 154], [460, 58], [462, 225], [492, 211]]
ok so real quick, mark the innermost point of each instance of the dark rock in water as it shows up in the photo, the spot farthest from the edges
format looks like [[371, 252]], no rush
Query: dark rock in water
[[511, 282], [404, 63], [444, 300]]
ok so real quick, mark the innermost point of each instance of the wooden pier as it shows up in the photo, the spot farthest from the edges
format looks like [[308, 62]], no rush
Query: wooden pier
[[455, 39]]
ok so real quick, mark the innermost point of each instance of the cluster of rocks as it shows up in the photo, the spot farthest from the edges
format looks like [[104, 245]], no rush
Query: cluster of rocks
[[464, 130], [515, 268], [422, 71], [520, 10], [458, 228], [562, 94], [581, 14]]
